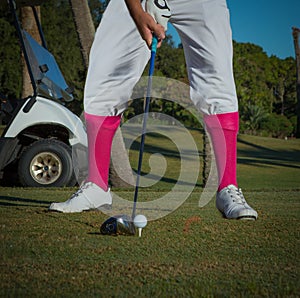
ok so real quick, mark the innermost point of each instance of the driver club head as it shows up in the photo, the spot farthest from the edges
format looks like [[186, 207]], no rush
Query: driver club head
[[118, 225]]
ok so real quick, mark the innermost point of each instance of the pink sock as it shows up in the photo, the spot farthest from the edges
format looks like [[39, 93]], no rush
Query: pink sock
[[223, 129], [100, 132]]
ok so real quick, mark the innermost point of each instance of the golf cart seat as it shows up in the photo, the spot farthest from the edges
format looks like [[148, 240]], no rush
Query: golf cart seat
[[7, 108]]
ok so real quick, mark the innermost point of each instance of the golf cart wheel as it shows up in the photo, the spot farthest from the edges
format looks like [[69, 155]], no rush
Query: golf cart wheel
[[46, 163]]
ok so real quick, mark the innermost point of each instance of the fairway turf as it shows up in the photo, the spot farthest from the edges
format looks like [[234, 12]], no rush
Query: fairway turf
[[192, 252]]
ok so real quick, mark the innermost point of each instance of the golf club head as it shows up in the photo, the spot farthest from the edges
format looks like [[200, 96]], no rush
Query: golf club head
[[118, 225]]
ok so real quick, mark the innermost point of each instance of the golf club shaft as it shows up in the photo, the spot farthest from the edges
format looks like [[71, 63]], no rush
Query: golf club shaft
[[146, 112]]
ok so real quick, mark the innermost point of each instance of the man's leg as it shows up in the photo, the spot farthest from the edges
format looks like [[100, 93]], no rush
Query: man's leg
[[223, 130], [101, 130], [205, 32], [117, 59]]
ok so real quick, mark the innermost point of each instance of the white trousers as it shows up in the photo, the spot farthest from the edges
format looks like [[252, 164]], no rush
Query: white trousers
[[119, 55]]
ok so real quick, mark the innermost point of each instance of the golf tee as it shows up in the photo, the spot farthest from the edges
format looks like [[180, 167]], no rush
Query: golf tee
[[140, 232]]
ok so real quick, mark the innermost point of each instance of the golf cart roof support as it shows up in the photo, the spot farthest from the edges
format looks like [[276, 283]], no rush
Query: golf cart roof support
[[38, 23], [12, 4]]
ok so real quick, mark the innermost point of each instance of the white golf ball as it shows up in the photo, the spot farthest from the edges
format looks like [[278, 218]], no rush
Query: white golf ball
[[140, 221]]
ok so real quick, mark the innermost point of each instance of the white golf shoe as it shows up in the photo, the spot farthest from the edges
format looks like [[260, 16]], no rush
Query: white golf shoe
[[89, 197], [232, 204]]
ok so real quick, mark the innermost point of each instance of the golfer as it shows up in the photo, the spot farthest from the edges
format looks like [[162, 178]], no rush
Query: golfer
[[118, 57]]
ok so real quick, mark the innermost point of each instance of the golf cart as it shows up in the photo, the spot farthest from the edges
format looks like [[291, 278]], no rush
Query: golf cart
[[36, 144]]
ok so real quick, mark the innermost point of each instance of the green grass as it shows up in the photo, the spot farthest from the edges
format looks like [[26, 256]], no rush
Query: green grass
[[265, 163], [192, 252]]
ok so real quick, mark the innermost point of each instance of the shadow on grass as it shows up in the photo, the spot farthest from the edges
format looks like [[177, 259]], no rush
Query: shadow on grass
[[261, 156], [13, 201], [164, 151], [169, 180]]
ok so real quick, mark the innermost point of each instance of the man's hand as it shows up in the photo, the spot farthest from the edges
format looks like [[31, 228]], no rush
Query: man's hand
[[145, 23], [160, 11]]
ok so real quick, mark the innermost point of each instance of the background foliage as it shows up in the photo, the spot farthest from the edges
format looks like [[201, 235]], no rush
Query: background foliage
[[266, 86]]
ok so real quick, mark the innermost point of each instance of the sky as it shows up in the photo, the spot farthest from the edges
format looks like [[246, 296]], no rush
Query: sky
[[265, 23]]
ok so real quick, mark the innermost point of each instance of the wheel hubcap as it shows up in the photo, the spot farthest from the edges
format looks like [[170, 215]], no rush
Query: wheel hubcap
[[45, 168]]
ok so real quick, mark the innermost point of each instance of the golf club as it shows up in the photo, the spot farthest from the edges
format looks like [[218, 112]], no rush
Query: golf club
[[146, 113], [122, 224]]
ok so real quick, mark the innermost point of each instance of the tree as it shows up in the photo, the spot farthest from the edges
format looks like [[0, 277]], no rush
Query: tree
[[296, 33], [10, 57], [86, 31], [267, 82], [62, 41], [84, 26], [253, 117]]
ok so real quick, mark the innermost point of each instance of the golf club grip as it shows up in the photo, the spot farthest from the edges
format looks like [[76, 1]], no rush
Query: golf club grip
[[147, 105], [153, 53]]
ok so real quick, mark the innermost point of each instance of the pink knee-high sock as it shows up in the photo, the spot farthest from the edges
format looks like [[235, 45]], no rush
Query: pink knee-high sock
[[223, 130], [100, 133]]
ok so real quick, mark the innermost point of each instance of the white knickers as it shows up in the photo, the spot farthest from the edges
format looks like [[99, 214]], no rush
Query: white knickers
[[119, 55]]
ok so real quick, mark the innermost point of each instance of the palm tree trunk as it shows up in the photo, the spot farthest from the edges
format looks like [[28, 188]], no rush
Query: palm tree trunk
[[86, 31], [84, 26], [28, 24]]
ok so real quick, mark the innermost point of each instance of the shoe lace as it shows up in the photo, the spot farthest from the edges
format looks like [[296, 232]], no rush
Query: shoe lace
[[236, 195], [80, 190]]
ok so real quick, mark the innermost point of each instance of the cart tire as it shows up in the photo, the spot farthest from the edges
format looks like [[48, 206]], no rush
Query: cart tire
[[46, 163]]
